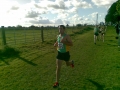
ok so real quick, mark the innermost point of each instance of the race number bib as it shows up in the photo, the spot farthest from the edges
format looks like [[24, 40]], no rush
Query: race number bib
[[60, 46]]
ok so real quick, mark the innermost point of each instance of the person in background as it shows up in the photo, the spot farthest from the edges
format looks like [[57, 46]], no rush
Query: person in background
[[102, 32], [119, 34], [96, 33], [99, 27], [117, 28]]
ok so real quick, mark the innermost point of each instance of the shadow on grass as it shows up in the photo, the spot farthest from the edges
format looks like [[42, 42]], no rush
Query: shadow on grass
[[113, 88], [2, 59], [12, 53], [112, 45], [99, 87], [116, 87], [58, 88], [27, 61]]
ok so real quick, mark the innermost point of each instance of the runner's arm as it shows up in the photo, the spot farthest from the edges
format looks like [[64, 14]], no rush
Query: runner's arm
[[67, 40], [56, 44]]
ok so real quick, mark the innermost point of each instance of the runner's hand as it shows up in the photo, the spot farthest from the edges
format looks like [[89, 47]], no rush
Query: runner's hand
[[63, 40]]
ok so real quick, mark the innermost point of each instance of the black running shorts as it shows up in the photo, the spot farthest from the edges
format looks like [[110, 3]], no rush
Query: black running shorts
[[63, 56]]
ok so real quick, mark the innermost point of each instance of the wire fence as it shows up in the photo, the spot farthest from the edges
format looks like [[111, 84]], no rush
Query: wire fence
[[37, 40], [26, 36]]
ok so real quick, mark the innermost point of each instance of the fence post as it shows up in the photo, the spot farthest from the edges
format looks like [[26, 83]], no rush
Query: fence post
[[42, 34], [3, 36]]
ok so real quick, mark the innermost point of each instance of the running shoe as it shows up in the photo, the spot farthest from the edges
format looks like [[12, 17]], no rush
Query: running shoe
[[72, 65], [56, 85]]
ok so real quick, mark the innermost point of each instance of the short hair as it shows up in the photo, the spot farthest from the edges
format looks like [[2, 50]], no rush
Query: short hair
[[62, 26]]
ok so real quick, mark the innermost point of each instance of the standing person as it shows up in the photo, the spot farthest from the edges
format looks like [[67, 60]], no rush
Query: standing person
[[63, 44], [96, 33], [119, 34], [99, 27], [117, 28], [105, 28], [102, 32]]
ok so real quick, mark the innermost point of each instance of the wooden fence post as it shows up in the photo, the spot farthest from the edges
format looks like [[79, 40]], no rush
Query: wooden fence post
[[42, 34], [3, 36]]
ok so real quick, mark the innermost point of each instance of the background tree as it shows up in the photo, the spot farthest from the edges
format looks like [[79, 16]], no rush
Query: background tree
[[117, 14], [118, 7], [79, 25], [112, 14], [67, 25]]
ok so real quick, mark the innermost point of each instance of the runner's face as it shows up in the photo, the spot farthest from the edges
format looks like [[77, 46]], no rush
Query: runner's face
[[61, 30]]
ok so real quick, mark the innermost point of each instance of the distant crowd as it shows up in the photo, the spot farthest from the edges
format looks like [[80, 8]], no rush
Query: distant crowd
[[99, 32]]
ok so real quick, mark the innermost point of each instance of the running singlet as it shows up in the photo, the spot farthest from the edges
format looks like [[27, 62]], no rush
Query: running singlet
[[96, 30], [62, 47]]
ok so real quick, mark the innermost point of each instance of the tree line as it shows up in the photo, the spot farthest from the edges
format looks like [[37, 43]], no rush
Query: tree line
[[113, 14], [32, 27]]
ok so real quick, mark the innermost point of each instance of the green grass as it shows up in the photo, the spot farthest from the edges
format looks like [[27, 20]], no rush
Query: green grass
[[97, 67]]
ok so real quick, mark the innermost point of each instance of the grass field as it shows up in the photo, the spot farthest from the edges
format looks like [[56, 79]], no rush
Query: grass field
[[97, 67]]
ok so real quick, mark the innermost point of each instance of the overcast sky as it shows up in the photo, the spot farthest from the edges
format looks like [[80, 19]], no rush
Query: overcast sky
[[52, 12]]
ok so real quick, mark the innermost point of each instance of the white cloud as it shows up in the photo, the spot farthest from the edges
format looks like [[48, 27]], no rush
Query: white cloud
[[105, 3], [80, 18], [39, 21], [58, 21], [73, 10], [14, 8], [81, 4], [48, 11], [62, 16], [44, 21], [38, 5], [58, 4], [68, 3], [66, 22], [93, 15], [86, 19], [32, 14], [6, 6]]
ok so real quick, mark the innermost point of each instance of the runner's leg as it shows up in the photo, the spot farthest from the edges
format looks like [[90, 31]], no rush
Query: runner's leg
[[95, 39], [59, 64], [68, 63], [103, 37]]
